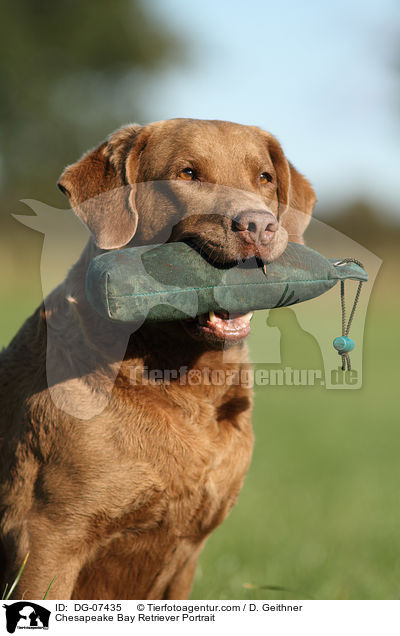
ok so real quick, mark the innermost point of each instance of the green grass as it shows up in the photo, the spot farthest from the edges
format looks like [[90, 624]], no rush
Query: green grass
[[319, 514], [10, 587]]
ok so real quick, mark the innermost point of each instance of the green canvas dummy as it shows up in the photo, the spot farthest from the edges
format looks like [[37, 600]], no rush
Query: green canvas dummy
[[173, 281]]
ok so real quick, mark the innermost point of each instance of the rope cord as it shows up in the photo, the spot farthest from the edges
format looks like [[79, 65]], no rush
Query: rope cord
[[346, 327]]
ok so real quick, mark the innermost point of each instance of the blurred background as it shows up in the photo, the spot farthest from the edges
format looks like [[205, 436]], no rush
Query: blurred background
[[319, 514]]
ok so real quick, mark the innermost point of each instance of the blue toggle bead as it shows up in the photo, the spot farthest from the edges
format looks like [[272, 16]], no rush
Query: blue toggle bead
[[343, 344]]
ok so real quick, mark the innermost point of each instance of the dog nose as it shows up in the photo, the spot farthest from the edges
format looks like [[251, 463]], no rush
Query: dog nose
[[256, 227]]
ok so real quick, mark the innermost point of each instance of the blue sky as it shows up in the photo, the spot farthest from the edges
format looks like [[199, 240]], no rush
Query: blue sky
[[319, 75]]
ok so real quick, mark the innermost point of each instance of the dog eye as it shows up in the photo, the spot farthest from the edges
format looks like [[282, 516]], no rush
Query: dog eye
[[265, 177], [187, 174]]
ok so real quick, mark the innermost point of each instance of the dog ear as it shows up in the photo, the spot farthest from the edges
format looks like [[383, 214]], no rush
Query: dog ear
[[101, 192], [296, 197]]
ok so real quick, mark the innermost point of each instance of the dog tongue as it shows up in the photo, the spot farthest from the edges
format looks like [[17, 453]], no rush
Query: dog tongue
[[229, 318], [226, 325]]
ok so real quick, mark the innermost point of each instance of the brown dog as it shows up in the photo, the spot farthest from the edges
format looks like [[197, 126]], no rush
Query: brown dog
[[116, 502]]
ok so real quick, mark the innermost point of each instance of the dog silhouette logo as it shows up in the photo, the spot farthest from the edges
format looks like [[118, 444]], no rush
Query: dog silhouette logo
[[26, 615]]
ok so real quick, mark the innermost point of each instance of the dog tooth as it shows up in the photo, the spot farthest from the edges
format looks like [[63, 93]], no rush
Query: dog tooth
[[211, 316], [248, 316]]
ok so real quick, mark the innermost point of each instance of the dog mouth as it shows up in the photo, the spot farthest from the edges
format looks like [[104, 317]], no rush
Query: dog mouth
[[230, 250], [220, 326]]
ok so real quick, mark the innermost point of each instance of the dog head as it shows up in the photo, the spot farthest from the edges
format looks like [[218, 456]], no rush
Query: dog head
[[226, 189]]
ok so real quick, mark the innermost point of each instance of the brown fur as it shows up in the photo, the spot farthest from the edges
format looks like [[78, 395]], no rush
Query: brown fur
[[119, 505]]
